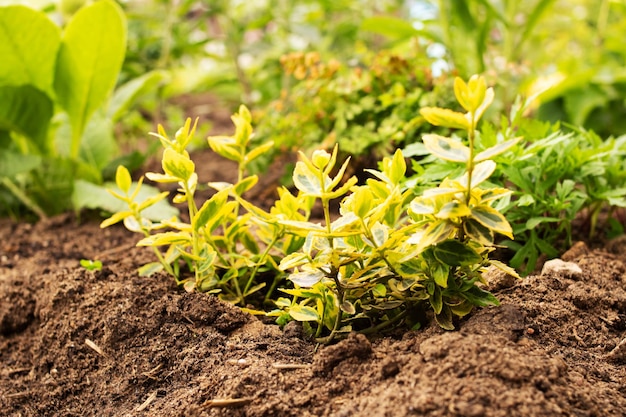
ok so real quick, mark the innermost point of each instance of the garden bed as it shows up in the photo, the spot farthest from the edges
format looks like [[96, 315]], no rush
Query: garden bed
[[81, 343]]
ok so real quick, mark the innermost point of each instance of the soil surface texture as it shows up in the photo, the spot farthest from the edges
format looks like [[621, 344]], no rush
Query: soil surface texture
[[110, 343]]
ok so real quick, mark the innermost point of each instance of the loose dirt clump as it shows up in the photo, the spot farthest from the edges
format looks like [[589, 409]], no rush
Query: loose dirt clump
[[111, 343]]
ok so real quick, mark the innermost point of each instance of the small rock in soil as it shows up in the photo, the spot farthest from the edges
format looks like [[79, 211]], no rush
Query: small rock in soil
[[558, 267]]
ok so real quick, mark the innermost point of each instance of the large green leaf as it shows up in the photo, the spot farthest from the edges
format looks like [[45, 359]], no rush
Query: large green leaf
[[127, 94], [27, 111], [29, 42], [13, 163], [90, 57], [92, 196], [454, 253]]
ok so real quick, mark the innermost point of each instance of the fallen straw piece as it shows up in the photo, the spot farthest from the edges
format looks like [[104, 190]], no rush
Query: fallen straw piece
[[146, 403], [287, 366], [231, 402], [95, 347]]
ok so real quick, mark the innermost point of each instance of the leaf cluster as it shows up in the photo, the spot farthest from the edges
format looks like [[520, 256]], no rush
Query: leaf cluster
[[556, 177], [367, 109], [226, 247], [388, 257], [56, 119]]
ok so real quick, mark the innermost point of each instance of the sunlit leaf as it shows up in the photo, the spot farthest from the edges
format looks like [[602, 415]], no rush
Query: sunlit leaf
[[306, 279], [210, 209], [307, 181], [123, 179], [494, 220], [496, 150], [480, 173], [437, 232], [90, 58], [504, 268], [177, 165], [303, 313], [258, 151], [226, 147], [29, 42], [453, 209], [446, 148], [444, 117]]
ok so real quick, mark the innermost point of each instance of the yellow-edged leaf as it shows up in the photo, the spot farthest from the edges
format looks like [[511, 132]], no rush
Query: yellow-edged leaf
[[453, 209], [478, 232], [480, 173], [496, 150], [492, 219], [446, 148], [444, 117], [303, 313]]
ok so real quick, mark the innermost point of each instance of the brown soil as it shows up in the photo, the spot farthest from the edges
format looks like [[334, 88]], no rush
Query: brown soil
[[110, 343]]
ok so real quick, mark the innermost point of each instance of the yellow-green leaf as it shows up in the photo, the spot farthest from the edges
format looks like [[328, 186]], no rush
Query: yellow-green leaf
[[177, 165], [225, 146], [209, 209], [445, 117], [478, 232], [123, 179], [303, 313], [116, 218], [259, 150], [245, 184], [492, 219], [505, 268], [437, 232], [462, 94], [496, 150], [446, 148], [453, 209], [307, 180], [494, 194], [421, 206], [167, 238], [480, 173]]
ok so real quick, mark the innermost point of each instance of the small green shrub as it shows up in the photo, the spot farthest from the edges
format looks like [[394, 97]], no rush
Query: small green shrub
[[381, 263], [556, 178]]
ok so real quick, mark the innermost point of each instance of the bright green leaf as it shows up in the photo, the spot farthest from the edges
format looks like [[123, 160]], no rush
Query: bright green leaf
[[303, 313], [124, 97], [89, 61], [29, 42], [12, 163], [27, 111]]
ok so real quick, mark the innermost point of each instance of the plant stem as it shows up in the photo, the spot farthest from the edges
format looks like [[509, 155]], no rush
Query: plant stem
[[26, 200]]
